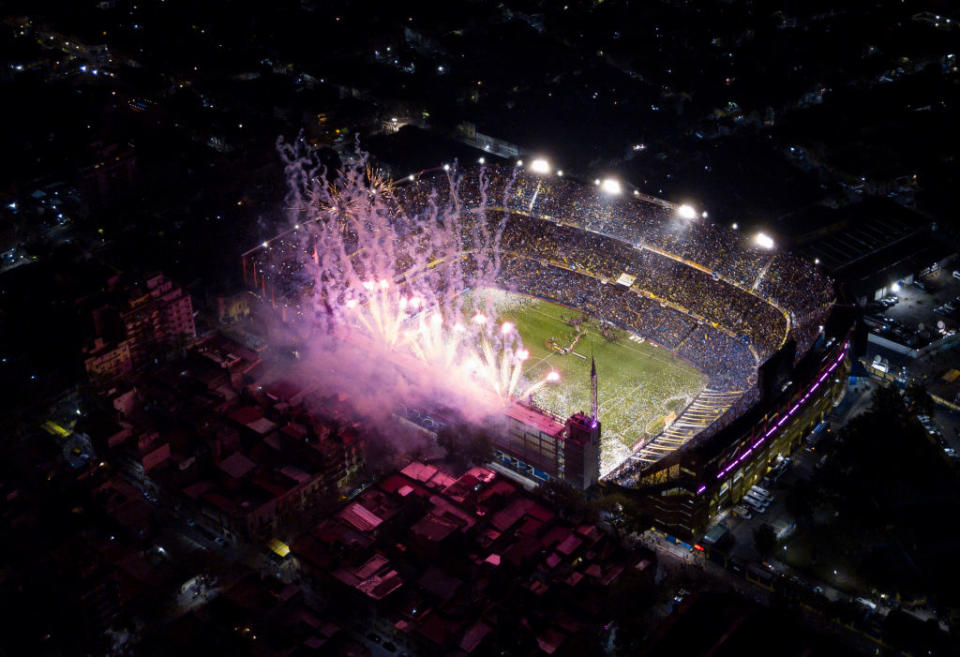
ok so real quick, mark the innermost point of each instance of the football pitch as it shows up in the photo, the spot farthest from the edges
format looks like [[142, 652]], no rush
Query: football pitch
[[639, 384]]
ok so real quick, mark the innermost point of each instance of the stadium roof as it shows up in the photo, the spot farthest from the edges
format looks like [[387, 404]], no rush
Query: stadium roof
[[534, 418]]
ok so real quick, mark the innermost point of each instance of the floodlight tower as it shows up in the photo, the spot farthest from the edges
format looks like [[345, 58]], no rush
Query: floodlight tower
[[541, 167], [594, 412]]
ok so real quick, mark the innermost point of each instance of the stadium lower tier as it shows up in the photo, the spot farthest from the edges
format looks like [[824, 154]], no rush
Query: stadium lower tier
[[688, 489], [725, 359]]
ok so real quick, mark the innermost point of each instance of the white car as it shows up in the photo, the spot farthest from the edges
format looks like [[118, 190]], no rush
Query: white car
[[868, 603], [766, 497], [759, 499]]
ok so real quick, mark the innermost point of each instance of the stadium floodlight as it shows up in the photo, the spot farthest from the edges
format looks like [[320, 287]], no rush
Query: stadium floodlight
[[481, 160], [266, 245], [611, 186], [411, 177], [519, 163], [560, 172], [734, 226], [816, 261], [763, 240], [704, 214], [540, 165], [446, 167], [686, 211]]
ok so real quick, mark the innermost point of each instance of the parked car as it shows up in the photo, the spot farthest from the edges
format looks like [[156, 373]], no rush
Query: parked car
[[870, 604]]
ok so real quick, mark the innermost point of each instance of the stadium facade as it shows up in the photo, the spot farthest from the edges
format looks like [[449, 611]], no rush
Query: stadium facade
[[753, 320], [540, 447]]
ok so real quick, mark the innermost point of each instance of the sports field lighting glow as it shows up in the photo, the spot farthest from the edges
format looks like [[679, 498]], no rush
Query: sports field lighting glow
[[611, 186], [763, 240], [540, 166], [686, 212], [560, 172]]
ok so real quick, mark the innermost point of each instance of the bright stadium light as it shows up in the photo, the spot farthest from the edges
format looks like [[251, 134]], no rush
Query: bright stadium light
[[560, 172], [481, 160], [816, 261], [446, 167], [763, 240], [734, 226], [519, 163], [686, 212], [611, 186], [540, 166]]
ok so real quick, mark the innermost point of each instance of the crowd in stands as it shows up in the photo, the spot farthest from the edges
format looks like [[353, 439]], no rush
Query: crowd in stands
[[725, 359]]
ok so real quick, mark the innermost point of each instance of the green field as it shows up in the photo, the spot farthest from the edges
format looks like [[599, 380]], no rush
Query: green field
[[638, 383]]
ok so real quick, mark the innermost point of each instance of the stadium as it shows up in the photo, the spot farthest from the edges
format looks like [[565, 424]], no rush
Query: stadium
[[712, 352]]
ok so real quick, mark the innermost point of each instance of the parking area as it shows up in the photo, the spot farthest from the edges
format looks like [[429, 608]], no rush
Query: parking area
[[918, 313]]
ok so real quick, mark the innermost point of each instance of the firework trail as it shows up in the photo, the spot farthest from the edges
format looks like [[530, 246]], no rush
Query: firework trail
[[407, 265]]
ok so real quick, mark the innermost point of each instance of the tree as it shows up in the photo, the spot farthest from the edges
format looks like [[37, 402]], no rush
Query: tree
[[920, 400], [570, 502], [626, 514], [764, 539]]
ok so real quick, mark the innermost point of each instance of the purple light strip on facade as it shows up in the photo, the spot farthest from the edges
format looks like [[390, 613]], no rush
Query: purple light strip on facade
[[702, 488], [787, 416]]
